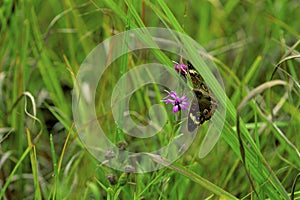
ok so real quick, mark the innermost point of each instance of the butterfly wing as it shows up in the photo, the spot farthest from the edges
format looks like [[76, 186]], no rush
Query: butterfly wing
[[203, 105]]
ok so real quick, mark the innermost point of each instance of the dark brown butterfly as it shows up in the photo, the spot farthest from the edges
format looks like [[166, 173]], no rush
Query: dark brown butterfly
[[204, 104]]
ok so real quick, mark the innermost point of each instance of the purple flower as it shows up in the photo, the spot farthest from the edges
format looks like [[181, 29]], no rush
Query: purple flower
[[179, 103], [181, 67]]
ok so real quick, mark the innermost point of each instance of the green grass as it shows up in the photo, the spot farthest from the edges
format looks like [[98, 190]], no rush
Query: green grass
[[255, 46]]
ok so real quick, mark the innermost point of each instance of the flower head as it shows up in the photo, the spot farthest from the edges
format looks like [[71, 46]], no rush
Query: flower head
[[179, 103], [112, 179], [181, 67]]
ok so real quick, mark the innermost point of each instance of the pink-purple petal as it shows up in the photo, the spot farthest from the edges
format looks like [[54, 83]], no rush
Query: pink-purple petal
[[170, 101], [175, 109]]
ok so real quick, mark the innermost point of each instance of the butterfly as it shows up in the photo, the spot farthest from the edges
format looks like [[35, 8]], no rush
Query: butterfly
[[204, 104]]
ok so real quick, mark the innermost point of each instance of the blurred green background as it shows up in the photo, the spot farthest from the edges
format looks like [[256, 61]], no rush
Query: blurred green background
[[43, 44]]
